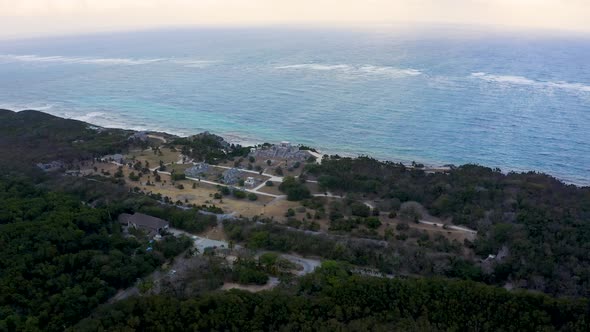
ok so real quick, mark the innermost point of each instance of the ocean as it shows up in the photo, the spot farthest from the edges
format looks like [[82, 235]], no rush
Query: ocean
[[437, 95]]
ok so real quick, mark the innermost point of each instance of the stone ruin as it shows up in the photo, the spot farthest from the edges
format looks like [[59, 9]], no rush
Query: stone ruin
[[284, 151], [197, 170], [232, 176]]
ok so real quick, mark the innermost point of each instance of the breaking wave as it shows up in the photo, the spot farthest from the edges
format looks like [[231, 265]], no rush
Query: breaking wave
[[520, 80], [102, 61], [193, 63], [356, 70]]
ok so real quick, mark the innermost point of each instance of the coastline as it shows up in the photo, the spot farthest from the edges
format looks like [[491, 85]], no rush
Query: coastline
[[250, 140]]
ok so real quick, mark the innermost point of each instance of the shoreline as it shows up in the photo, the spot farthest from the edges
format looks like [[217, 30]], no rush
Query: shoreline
[[232, 137]]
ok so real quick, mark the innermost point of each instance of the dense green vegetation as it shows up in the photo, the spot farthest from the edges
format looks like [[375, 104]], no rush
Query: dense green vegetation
[[189, 220], [31, 137], [248, 271], [332, 299], [542, 224], [435, 257], [294, 188], [209, 148], [59, 258], [62, 254]]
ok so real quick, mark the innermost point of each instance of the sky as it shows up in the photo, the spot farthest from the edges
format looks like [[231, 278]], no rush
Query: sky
[[33, 18]]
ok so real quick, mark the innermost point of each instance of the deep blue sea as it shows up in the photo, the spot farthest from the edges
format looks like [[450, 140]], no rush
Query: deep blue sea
[[514, 100]]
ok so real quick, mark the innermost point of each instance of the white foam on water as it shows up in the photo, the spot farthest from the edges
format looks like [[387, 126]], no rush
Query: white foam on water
[[356, 70], [191, 63], [89, 117], [314, 66], [520, 80], [390, 71], [76, 60], [35, 106], [59, 59]]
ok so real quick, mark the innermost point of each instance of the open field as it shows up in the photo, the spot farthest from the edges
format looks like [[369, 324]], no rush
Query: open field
[[199, 193], [178, 168], [274, 190], [148, 155]]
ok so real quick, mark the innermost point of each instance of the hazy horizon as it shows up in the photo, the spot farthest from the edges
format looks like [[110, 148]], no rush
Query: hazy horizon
[[39, 18]]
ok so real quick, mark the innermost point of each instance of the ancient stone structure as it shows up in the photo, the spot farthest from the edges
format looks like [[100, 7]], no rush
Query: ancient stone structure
[[197, 170], [232, 176], [282, 151]]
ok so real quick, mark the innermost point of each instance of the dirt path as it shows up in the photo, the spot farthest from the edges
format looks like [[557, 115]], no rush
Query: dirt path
[[309, 265], [453, 227], [254, 191], [272, 283]]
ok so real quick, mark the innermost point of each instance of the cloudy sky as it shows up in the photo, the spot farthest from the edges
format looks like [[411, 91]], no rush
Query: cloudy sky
[[25, 18]]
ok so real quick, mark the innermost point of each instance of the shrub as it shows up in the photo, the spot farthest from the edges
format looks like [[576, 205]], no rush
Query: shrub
[[372, 222], [410, 213], [359, 209], [224, 191], [290, 213], [294, 189], [239, 194], [177, 176], [402, 226]]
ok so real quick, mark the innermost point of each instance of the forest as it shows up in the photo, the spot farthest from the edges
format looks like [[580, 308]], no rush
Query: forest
[[541, 222], [332, 299], [31, 137], [386, 257], [63, 255], [60, 259]]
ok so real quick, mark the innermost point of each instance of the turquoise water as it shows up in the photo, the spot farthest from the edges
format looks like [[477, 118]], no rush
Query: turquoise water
[[510, 100]]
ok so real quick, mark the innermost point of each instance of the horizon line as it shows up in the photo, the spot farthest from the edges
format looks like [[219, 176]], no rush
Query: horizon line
[[401, 25]]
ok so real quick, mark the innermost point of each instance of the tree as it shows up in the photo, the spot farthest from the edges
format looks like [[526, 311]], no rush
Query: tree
[[225, 191], [360, 209], [372, 222], [294, 189], [239, 194], [178, 176]]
